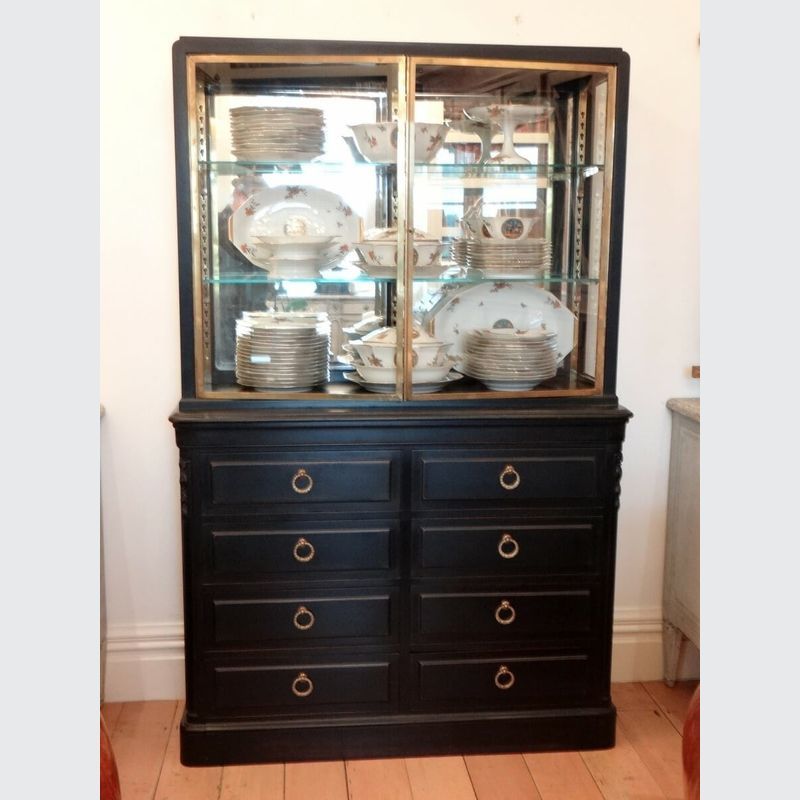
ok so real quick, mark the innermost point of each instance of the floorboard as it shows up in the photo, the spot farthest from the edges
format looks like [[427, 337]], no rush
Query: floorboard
[[673, 700], [177, 782], [320, 780], [253, 782], [440, 777], [139, 740], [645, 764], [378, 779], [620, 773], [501, 778], [562, 776]]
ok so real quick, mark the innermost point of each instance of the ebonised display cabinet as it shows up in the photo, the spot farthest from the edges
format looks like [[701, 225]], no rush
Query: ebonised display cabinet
[[417, 558]]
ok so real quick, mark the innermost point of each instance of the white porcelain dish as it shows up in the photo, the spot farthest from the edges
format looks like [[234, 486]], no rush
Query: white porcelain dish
[[496, 305], [377, 141], [300, 212], [389, 388], [384, 254]]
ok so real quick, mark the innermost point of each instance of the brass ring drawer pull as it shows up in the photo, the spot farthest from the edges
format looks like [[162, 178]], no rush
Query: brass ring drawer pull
[[504, 678], [509, 478], [504, 613], [508, 547], [303, 545], [302, 685], [302, 482], [305, 624]]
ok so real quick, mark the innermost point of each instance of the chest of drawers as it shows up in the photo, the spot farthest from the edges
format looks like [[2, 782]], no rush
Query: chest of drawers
[[362, 584]]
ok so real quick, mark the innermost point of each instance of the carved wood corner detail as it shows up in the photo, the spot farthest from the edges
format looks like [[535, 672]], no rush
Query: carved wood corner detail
[[185, 467], [617, 473]]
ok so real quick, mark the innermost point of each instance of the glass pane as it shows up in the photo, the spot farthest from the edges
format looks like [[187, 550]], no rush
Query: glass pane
[[295, 171], [516, 198]]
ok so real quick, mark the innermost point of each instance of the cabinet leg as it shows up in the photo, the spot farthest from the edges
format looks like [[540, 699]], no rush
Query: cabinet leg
[[673, 643]]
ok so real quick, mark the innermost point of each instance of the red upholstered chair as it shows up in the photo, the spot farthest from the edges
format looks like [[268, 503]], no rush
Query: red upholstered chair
[[691, 748], [109, 777]]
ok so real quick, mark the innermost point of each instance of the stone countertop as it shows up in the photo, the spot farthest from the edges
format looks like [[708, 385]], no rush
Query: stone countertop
[[687, 406]]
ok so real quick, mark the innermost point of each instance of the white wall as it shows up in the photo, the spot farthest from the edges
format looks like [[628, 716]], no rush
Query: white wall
[[140, 387]]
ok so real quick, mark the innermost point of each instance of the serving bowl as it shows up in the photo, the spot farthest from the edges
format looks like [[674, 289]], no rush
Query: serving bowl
[[294, 247], [379, 348], [377, 141], [379, 248], [506, 229], [389, 374]]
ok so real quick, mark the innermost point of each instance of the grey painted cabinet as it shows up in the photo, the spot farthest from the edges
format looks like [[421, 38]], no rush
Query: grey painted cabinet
[[682, 558]]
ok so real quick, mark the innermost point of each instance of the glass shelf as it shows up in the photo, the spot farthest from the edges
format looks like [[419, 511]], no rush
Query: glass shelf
[[252, 280], [498, 171]]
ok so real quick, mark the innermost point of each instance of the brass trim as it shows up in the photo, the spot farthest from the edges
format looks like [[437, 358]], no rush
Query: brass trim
[[515, 480], [301, 474], [504, 613], [505, 539], [298, 58], [300, 544], [405, 194], [302, 611], [504, 673], [302, 678], [244, 394], [194, 196], [545, 66], [605, 230]]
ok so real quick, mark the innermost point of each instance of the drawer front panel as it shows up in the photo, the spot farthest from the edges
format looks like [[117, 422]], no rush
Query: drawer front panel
[[503, 682], [305, 481], [551, 547], [510, 476], [302, 687], [301, 620], [301, 551], [501, 616]]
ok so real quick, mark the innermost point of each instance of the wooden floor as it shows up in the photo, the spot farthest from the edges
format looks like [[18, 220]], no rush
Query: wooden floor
[[645, 764]]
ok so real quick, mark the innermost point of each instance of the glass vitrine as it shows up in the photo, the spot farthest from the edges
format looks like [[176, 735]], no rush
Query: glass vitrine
[[375, 222]]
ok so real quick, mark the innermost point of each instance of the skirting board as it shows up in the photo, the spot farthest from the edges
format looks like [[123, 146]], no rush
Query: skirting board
[[145, 662]]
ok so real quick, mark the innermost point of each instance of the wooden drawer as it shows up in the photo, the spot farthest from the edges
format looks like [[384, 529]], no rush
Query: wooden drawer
[[507, 476], [303, 687], [306, 481], [502, 682], [551, 547], [303, 619], [501, 616], [299, 550]]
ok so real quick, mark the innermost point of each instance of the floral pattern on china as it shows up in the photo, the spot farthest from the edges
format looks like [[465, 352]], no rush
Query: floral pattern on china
[[498, 305], [302, 213]]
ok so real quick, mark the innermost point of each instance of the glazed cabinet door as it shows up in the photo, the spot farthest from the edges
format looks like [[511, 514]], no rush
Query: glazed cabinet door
[[519, 197], [290, 161]]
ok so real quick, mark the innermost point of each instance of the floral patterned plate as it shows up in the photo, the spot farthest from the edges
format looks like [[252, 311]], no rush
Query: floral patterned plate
[[301, 211], [497, 305]]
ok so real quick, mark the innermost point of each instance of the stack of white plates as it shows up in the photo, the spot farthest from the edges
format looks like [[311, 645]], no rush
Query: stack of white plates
[[276, 134], [525, 258], [508, 359], [282, 351]]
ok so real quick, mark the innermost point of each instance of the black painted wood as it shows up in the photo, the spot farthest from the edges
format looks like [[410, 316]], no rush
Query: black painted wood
[[509, 548], [307, 551], [502, 682], [500, 615], [405, 516], [301, 689], [303, 620]]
